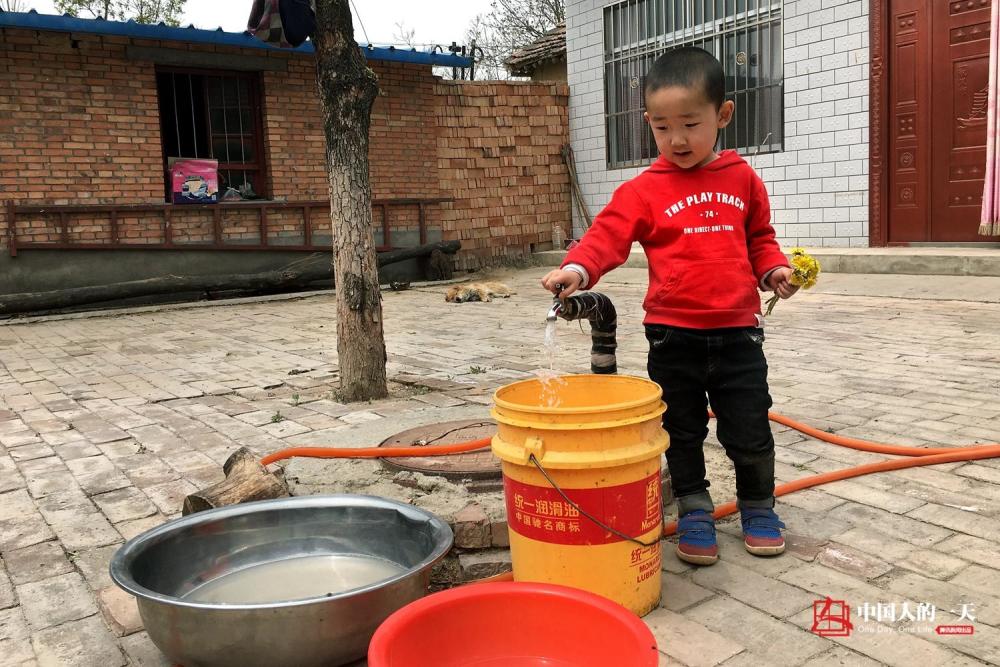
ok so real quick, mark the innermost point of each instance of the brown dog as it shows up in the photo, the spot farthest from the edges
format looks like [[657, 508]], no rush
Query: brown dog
[[476, 292]]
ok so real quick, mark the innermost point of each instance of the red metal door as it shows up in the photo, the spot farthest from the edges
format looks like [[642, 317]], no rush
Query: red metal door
[[960, 84], [938, 62], [908, 55]]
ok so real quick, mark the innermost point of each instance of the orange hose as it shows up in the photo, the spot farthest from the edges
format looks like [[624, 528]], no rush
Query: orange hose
[[922, 456], [863, 445], [956, 454], [375, 452]]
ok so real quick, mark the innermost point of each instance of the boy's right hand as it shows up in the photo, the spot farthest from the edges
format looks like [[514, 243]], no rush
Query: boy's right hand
[[569, 280]]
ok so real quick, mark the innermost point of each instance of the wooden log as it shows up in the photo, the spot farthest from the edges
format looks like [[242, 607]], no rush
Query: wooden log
[[298, 274], [393, 256], [246, 480]]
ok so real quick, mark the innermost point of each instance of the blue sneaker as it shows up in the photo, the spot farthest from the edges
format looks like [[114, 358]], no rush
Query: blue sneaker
[[762, 531], [697, 543]]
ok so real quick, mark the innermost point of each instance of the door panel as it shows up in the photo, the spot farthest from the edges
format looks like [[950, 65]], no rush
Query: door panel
[[938, 63], [909, 94], [958, 109]]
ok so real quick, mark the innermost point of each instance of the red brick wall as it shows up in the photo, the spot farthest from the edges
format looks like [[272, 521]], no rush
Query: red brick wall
[[293, 132], [402, 138], [500, 157], [403, 133], [79, 124]]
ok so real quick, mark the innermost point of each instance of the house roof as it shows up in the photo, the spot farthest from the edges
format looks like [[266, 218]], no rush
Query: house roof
[[550, 46], [54, 23]]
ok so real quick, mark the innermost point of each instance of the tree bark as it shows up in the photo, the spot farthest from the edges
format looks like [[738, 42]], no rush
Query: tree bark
[[347, 89]]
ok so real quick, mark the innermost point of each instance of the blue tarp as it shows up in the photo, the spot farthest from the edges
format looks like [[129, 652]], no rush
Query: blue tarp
[[50, 22]]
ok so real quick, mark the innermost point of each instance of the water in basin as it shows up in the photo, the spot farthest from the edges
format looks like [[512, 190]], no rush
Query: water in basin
[[294, 579]]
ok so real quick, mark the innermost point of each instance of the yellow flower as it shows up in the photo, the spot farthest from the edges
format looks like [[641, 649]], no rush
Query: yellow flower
[[805, 271]]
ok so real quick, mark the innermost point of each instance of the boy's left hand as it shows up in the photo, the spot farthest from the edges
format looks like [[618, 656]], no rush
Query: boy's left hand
[[780, 281]]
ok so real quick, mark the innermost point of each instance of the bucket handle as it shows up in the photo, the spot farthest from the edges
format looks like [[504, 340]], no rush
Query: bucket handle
[[585, 513]]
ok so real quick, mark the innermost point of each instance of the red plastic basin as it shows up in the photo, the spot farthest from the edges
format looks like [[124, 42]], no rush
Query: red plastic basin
[[513, 624]]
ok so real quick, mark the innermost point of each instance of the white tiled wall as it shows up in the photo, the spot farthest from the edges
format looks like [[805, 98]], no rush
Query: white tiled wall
[[819, 183]]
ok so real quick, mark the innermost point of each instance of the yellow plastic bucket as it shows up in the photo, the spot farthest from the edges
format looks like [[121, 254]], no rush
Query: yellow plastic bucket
[[582, 445]]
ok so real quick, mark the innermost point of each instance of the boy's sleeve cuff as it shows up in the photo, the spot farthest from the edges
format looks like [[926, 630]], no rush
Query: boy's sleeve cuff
[[582, 272]]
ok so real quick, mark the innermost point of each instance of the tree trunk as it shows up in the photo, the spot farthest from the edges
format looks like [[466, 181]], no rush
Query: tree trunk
[[347, 91]]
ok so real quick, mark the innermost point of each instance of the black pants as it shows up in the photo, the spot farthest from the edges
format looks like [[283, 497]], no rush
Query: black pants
[[724, 367]]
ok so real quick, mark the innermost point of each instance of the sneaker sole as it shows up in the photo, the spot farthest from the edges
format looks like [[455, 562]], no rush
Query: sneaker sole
[[765, 551], [695, 559]]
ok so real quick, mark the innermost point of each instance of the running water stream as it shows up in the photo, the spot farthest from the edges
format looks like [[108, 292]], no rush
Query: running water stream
[[550, 343], [548, 377]]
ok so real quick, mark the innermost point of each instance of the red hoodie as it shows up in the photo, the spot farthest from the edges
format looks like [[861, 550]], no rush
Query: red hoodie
[[707, 235]]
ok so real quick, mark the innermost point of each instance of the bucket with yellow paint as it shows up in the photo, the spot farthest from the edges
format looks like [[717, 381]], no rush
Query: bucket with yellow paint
[[581, 470]]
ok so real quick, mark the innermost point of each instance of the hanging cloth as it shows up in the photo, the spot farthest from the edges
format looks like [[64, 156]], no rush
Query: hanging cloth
[[283, 23], [990, 224]]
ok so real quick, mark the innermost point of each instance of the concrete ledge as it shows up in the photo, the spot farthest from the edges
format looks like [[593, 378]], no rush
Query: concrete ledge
[[955, 261]]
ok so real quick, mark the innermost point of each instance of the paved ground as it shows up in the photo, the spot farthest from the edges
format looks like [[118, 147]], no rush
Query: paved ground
[[107, 422]]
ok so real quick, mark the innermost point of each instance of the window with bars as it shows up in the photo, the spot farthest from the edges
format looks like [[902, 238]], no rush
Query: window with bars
[[214, 115], [745, 35]]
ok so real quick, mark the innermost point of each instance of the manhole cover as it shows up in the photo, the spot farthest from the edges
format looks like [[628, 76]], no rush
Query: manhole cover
[[474, 465]]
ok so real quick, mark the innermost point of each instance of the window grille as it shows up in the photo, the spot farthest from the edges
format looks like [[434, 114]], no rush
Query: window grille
[[745, 35], [214, 115]]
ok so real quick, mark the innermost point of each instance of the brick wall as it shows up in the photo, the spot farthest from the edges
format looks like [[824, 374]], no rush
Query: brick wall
[[819, 182], [402, 151], [79, 124], [499, 157]]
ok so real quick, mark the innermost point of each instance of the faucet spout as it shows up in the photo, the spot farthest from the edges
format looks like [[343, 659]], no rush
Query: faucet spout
[[556, 308]]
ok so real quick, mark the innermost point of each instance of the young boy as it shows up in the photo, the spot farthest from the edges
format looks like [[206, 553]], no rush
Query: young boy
[[703, 220]]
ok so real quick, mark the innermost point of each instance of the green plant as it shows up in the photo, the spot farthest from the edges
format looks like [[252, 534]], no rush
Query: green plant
[[277, 417], [295, 399], [476, 370]]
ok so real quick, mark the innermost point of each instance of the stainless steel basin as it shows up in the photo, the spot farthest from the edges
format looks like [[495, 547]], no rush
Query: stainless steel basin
[[180, 558]]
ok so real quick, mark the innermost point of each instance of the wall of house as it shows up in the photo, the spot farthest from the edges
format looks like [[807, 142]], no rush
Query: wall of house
[[79, 124], [819, 182], [553, 70], [402, 151]]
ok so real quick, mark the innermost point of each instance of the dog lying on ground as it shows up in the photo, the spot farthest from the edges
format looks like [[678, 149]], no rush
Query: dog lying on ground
[[476, 292]]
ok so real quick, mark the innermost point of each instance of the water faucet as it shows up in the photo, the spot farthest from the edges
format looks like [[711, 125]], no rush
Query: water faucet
[[598, 309], [556, 308], [557, 305]]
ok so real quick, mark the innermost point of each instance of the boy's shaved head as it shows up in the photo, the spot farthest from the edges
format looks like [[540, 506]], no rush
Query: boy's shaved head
[[688, 67]]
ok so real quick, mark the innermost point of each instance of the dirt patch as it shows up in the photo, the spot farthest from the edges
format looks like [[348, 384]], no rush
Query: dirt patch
[[363, 476]]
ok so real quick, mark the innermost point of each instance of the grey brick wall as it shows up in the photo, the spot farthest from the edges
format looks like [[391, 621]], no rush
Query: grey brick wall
[[819, 182]]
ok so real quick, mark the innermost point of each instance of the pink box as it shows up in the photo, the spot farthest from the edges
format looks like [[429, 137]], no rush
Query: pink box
[[194, 181]]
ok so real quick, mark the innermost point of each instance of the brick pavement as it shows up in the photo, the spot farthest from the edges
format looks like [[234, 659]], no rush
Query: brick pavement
[[107, 422]]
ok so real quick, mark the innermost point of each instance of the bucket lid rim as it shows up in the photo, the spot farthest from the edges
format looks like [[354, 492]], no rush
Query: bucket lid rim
[[600, 408]]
